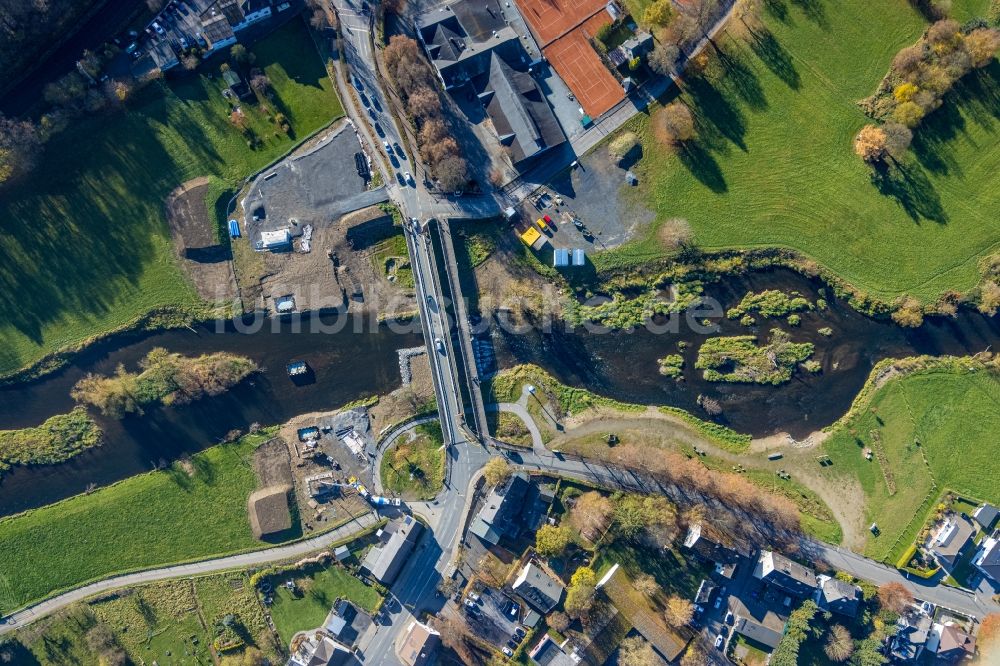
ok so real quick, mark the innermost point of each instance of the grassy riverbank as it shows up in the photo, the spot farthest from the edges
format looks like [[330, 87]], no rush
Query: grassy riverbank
[[930, 431], [190, 510], [773, 165], [85, 240]]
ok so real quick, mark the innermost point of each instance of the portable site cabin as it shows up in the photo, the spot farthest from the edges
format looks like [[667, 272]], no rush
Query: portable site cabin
[[530, 236], [579, 258], [560, 257], [234, 229], [275, 240]]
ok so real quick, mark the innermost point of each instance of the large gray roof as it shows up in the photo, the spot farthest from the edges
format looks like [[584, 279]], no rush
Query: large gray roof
[[384, 562]]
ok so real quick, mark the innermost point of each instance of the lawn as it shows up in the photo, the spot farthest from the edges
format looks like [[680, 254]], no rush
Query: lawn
[[773, 164], [415, 469], [181, 513], [85, 243], [315, 593], [392, 259], [932, 431], [675, 573]]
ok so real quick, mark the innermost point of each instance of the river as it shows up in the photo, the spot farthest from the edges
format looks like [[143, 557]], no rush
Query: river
[[347, 365], [624, 365], [350, 365]]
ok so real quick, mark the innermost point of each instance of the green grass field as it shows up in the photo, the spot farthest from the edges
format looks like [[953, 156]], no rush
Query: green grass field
[[316, 592], [415, 470], [85, 243], [157, 518], [948, 419], [773, 164]]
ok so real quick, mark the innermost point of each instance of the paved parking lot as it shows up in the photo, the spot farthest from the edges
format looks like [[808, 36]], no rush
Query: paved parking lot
[[492, 620], [596, 193]]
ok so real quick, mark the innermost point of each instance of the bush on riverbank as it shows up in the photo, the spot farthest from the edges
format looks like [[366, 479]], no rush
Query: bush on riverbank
[[739, 359], [672, 365], [60, 438], [165, 378], [770, 303]]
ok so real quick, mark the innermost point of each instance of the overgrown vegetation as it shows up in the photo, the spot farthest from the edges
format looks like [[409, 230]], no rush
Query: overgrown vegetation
[[165, 378], [58, 439], [771, 303], [672, 365], [192, 509], [740, 359]]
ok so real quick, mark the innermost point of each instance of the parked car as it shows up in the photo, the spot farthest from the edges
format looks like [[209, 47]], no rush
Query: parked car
[[718, 602], [159, 29], [388, 148], [399, 151], [513, 610], [729, 617], [475, 597], [357, 83], [408, 177], [719, 640], [519, 633], [507, 651], [439, 345]]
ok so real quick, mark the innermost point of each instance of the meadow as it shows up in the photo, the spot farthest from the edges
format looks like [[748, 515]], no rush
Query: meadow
[[190, 510], [930, 432], [772, 164], [84, 238]]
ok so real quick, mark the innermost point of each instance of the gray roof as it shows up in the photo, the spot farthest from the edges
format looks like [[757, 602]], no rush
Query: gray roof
[[384, 562], [782, 572], [988, 558], [951, 539], [521, 116], [502, 511], [548, 653], [321, 652], [840, 597], [759, 633], [538, 588], [986, 515]]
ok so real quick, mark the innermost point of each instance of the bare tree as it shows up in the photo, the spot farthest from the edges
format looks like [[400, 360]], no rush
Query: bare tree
[[453, 172], [677, 122], [591, 514], [20, 147], [894, 597], [679, 611], [839, 646], [646, 584]]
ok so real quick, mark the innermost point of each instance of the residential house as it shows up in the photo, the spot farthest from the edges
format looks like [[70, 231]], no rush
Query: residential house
[[764, 634], [913, 630], [986, 516], [955, 644], [397, 540], [781, 572], [704, 594], [638, 45], [346, 622], [987, 558], [757, 622], [637, 609], [500, 516], [538, 588], [418, 645], [321, 650], [950, 540], [549, 653], [836, 596], [708, 550]]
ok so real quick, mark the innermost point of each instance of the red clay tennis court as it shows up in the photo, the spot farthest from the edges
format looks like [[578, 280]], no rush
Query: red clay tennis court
[[563, 28], [551, 18], [582, 70]]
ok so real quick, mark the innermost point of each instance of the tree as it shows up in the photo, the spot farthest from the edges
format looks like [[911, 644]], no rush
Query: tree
[[909, 114], [559, 621], [241, 56], [453, 172], [678, 612], [908, 60], [869, 652], [982, 45], [622, 145], [894, 597], [580, 593], [694, 657], [905, 91], [20, 147], [261, 84], [634, 512], [989, 632], [635, 651], [591, 514], [663, 58], [658, 14], [552, 541], [496, 471], [678, 122], [424, 103], [839, 646], [870, 143], [68, 90], [646, 584], [897, 139], [190, 62]]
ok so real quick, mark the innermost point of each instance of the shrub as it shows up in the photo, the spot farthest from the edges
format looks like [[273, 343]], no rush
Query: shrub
[[622, 145]]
